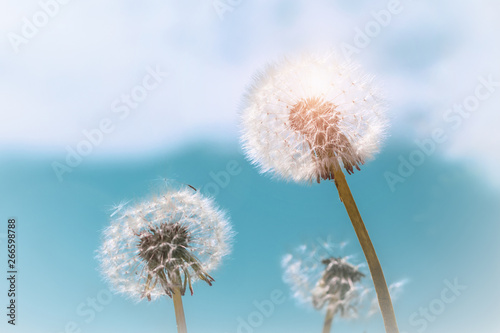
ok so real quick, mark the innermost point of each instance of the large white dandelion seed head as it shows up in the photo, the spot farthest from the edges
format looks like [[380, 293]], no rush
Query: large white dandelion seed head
[[167, 242], [300, 114]]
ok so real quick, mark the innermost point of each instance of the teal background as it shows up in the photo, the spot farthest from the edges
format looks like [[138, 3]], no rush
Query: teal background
[[441, 224]]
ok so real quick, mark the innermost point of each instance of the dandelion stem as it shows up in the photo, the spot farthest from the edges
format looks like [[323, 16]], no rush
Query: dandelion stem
[[179, 310], [330, 312], [384, 298]]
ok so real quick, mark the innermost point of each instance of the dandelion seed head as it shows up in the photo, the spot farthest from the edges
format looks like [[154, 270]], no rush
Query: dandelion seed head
[[167, 242], [300, 114], [319, 278], [316, 276], [338, 287]]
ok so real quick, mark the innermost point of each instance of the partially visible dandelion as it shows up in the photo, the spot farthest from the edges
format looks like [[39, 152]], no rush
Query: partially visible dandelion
[[304, 119], [337, 285], [330, 283], [161, 246]]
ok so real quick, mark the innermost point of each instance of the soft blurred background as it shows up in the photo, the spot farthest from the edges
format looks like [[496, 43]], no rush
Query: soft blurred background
[[162, 81]]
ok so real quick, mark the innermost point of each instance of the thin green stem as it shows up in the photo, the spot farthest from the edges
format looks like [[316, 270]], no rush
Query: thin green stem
[[330, 312], [384, 298], [179, 310]]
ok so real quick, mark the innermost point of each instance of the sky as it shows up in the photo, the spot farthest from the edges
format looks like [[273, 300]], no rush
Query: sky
[[153, 90]]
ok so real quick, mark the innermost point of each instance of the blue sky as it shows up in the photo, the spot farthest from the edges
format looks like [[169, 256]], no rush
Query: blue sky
[[188, 65], [439, 225]]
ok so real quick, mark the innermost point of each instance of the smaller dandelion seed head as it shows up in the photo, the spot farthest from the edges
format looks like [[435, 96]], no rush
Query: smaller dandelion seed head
[[301, 113], [340, 269], [163, 243], [308, 270], [319, 278], [338, 285]]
